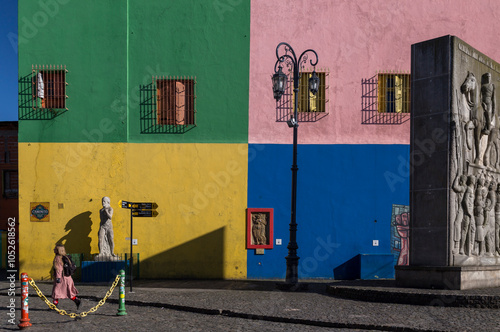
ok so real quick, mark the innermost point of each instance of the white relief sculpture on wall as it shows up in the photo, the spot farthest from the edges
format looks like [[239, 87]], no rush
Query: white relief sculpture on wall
[[475, 162]]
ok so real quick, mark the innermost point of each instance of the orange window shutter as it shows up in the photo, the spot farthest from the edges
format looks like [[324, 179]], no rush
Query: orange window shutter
[[180, 102]]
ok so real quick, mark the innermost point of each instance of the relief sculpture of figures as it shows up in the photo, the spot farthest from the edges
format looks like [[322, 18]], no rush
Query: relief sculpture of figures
[[475, 161], [468, 210], [459, 186], [259, 228]]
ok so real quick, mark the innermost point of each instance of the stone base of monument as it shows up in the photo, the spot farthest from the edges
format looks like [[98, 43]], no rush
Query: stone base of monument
[[93, 271], [106, 258], [448, 277]]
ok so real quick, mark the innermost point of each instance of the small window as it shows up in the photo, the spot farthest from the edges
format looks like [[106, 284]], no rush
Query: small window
[[49, 87], [308, 102], [310, 107], [9, 183], [175, 101], [394, 93]]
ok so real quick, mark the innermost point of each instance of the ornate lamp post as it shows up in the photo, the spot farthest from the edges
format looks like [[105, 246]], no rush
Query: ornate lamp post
[[279, 85]]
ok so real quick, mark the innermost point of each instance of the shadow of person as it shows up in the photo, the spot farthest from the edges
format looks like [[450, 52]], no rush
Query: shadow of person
[[77, 240]]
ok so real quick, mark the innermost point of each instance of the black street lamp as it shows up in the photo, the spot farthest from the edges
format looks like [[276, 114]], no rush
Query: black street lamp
[[279, 85]]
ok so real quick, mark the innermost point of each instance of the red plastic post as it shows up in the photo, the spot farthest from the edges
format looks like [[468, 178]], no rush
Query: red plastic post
[[25, 320]]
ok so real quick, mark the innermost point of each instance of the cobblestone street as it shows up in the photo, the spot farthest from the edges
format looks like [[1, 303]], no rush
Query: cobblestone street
[[256, 306]]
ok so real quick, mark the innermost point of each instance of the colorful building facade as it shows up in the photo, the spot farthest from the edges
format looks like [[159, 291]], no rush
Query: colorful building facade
[[171, 102]]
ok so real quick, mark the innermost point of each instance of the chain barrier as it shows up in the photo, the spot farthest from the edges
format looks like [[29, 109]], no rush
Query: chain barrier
[[73, 315]]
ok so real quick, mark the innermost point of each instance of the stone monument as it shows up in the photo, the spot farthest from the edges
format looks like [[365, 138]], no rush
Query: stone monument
[[455, 168]]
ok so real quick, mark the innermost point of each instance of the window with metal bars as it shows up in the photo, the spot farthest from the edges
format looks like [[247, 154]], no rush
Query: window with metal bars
[[9, 183], [393, 93], [308, 102], [49, 87], [311, 108], [175, 101]]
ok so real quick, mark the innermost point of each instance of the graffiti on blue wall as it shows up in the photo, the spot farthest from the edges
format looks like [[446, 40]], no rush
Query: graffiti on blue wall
[[399, 234]]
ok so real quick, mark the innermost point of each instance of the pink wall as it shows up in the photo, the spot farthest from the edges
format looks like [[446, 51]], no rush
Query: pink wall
[[355, 39]]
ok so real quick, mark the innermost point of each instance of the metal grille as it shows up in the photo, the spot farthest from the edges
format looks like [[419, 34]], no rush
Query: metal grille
[[385, 99], [168, 105], [8, 149], [91, 269], [10, 183], [42, 94], [311, 108], [393, 93]]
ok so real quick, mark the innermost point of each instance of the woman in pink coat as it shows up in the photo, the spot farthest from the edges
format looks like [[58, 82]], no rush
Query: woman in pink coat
[[64, 287]]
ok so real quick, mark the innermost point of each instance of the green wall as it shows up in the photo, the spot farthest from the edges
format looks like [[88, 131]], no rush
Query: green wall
[[111, 48]]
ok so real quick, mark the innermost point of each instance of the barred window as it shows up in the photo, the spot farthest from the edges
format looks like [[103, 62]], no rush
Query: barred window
[[175, 101], [311, 108], [9, 183], [308, 102], [393, 93], [49, 87]]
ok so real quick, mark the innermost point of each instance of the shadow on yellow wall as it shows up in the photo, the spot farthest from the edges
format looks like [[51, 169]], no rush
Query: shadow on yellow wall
[[202, 257], [77, 239]]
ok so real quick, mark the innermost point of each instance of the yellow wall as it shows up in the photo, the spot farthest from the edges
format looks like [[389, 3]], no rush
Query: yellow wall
[[201, 190]]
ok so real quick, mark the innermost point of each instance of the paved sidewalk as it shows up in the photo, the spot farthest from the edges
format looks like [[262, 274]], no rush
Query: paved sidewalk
[[216, 305]]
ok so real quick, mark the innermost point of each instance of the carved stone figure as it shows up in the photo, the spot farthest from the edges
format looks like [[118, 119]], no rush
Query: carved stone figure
[[484, 231], [490, 126], [487, 101], [259, 228], [468, 210], [497, 220], [469, 90], [459, 186], [479, 217], [106, 242], [469, 140], [489, 222]]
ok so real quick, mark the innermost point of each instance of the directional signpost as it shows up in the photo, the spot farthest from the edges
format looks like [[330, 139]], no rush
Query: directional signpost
[[137, 210], [144, 213]]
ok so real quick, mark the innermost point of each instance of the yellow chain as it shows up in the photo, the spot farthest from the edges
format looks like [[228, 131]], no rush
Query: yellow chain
[[73, 315]]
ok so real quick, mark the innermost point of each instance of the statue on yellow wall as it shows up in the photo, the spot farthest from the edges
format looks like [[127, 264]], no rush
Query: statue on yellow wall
[[105, 235]]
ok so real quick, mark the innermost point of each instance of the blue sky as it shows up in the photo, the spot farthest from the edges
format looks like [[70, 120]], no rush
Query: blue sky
[[8, 60]]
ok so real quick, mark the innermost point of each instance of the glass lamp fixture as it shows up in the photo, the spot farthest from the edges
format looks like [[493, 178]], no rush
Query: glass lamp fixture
[[279, 83], [314, 83]]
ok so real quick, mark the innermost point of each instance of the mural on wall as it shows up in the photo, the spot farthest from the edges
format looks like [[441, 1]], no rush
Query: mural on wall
[[475, 161], [399, 234]]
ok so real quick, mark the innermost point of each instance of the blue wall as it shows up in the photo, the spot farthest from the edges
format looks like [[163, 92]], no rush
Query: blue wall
[[341, 191]]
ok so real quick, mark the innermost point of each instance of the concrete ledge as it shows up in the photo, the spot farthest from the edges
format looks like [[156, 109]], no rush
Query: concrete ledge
[[452, 277], [405, 296]]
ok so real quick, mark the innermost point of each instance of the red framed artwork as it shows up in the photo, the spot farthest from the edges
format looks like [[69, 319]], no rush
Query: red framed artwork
[[260, 225]]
